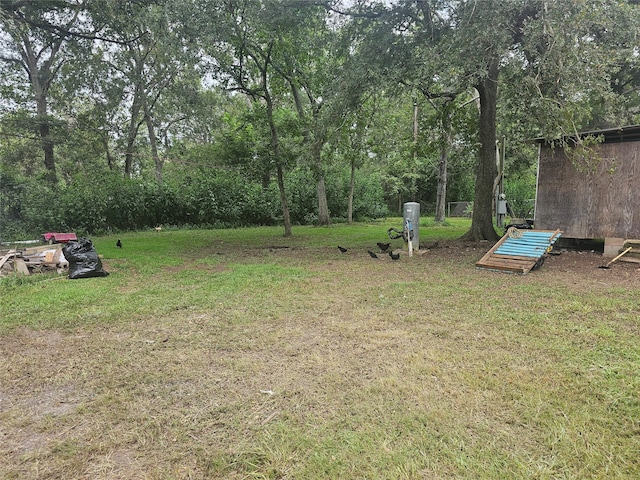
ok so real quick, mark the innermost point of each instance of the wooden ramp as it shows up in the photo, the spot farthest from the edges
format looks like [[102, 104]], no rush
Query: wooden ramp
[[519, 250]]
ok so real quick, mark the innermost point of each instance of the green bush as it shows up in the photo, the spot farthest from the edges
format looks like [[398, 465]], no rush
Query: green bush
[[108, 202], [520, 191], [368, 201]]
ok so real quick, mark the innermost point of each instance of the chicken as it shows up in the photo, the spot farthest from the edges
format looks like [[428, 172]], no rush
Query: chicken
[[394, 256], [158, 228], [383, 246], [119, 244], [342, 249], [371, 254]]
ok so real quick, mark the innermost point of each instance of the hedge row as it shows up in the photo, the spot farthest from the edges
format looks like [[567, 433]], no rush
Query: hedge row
[[218, 198]]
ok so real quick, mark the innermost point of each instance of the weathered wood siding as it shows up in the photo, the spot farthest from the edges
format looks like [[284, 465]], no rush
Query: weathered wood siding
[[590, 204]]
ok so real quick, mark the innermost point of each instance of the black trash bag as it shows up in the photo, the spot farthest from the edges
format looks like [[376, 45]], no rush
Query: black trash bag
[[83, 259]]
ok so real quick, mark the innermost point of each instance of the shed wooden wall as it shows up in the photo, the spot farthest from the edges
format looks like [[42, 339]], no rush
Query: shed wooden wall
[[599, 204]]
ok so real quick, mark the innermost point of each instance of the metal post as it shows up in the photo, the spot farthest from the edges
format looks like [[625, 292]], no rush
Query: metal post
[[411, 215]]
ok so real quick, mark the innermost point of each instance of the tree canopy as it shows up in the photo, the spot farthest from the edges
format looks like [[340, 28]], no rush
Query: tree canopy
[[410, 96]]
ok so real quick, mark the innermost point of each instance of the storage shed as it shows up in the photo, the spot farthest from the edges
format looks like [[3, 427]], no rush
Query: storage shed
[[593, 197]]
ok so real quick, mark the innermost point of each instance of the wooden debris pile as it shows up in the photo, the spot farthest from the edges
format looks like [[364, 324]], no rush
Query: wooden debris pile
[[33, 260], [632, 255]]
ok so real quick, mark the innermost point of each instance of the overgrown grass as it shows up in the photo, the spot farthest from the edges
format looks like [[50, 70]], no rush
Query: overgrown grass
[[244, 354]]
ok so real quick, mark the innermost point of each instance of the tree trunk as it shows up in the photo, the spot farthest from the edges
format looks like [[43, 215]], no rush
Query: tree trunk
[[131, 139], [324, 218], [47, 148], [40, 78], [138, 104], [323, 207], [128, 156], [352, 183], [283, 200], [482, 220], [275, 148], [445, 142], [158, 162], [105, 144], [40, 89], [441, 193], [134, 126]]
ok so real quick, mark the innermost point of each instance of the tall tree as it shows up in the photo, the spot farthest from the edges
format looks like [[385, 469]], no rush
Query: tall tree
[[313, 56], [242, 43], [555, 44], [484, 33], [40, 52], [151, 60]]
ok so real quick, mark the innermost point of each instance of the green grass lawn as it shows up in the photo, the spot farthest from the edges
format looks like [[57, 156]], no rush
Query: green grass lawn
[[236, 354]]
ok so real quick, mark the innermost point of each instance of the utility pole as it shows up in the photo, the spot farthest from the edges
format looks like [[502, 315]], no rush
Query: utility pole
[[415, 129]]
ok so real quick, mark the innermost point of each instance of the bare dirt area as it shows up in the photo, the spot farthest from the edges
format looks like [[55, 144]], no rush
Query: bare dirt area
[[578, 265], [365, 357]]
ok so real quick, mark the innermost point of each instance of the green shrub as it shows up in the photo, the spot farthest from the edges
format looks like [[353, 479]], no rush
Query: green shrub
[[520, 191], [103, 202]]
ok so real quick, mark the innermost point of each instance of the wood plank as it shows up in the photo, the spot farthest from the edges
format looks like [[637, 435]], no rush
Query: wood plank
[[515, 268], [555, 236], [493, 263], [38, 249], [509, 261], [494, 248], [512, 268], [20, 266], [3, 260], [629, 259], [612, 246], [503, 268], [631, 243], [634, 254]]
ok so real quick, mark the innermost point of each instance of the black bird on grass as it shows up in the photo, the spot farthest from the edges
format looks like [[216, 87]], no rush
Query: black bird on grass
[[371, 254], [394, 256], [383, 246], [119, 244], [342, 249]]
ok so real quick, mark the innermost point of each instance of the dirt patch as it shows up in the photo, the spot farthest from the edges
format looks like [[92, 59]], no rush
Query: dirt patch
[[575, 265]]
